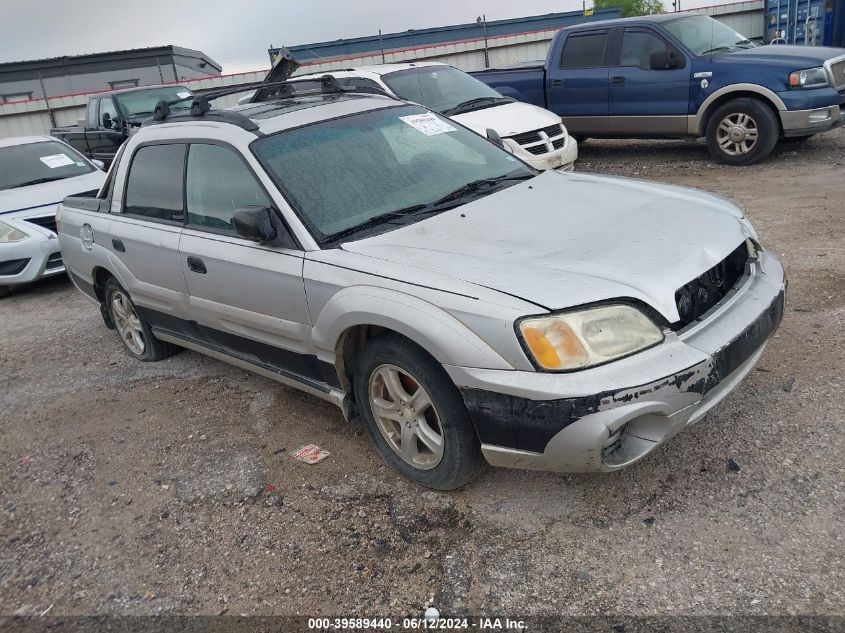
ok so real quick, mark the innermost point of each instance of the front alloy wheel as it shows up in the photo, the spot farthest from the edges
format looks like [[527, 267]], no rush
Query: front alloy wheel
[[414, 414], [737, 134], [406, 417], [742, 132]]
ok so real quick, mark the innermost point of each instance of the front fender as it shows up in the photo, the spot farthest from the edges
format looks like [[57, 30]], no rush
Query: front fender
[[435, 330]]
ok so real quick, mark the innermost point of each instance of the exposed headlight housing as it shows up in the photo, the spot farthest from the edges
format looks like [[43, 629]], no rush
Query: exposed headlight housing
[[9, 233], [584, 338], [809, 78]]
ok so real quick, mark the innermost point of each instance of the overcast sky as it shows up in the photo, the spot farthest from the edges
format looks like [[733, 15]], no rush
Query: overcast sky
[[235, 33]]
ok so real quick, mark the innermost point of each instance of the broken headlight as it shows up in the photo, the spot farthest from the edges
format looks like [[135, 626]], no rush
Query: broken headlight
[[589, 337]]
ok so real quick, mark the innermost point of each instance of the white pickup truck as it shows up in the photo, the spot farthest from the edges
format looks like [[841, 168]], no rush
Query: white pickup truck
[[534, 134]]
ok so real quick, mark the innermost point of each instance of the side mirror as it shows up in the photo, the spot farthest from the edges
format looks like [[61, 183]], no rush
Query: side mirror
[[493, 136], [254, 223], [99, 164], [662, 60], [107, 122]]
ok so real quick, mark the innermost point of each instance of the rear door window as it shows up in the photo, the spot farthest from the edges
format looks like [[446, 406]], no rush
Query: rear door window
[[584, 51], [154, 187]]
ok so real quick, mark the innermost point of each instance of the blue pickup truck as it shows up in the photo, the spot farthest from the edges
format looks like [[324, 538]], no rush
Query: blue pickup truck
[[665, 76]]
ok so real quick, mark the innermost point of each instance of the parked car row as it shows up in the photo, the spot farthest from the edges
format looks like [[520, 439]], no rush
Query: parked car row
[[465, 306]]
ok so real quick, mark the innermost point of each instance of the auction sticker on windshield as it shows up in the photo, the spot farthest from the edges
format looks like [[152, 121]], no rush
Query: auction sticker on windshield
[[428, 124], [56, 160]]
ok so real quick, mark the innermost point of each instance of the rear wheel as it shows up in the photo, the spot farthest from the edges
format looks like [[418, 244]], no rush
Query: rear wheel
[[415, 415], [742, 132], [132, 328]]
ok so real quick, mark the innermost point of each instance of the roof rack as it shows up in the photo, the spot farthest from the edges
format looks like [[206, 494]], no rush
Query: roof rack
[[201, 104]]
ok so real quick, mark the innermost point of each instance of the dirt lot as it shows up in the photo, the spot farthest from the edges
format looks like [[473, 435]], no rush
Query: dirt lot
[[129, 488]]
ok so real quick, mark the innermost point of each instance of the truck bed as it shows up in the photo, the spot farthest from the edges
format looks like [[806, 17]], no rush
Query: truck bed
[[524, 82]]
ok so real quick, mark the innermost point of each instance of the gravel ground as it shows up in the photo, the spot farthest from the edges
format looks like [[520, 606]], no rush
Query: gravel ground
[[168, 488]]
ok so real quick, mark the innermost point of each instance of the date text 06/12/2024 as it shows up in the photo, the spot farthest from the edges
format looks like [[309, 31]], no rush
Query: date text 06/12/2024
[[415, 624]]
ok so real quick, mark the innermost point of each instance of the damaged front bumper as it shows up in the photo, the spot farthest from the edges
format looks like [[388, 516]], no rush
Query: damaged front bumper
[[608, 417]]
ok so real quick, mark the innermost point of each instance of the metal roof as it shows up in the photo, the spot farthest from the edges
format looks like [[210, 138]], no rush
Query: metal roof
[[108, 56], [443, 34]]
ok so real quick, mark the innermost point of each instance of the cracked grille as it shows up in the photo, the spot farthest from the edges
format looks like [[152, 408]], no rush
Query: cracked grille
[[695, 298]]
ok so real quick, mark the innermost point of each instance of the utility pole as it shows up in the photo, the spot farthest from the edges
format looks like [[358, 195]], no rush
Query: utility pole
[[482, 21], [381, 45]]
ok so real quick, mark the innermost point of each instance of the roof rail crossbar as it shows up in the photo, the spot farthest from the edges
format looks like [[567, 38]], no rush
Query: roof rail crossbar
[[201, 104], [200, 109]]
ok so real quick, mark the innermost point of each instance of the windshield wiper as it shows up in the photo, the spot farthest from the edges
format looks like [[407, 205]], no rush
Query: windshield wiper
[[477, 185], [470, 104], [449, 201], [385, 218], [718, 49], [38, 181]]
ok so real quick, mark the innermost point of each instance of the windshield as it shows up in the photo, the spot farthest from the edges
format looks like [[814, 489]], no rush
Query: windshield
[[36, 163], [383, 168], [141, 103], [442, 88], [701, 34]]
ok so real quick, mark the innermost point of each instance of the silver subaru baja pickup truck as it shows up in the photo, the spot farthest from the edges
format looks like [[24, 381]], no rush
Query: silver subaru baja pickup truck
[[464, 306]]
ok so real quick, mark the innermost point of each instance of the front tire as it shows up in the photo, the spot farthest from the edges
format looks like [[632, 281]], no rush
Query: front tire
[[5, 291], [132, 328], [742, 132], [415, 415]]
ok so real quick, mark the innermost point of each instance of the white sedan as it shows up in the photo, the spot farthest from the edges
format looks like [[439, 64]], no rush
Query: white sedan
[[36, 174]]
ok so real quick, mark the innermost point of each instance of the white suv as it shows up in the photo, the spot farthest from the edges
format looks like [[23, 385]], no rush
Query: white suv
[[534, 134]]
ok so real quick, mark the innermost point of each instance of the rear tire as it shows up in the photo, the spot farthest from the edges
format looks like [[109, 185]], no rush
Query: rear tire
[[132, 328], [742, 132], [415, 415]]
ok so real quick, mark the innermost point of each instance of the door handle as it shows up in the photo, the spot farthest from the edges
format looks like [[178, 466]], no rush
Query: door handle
[[618, 80], [196, 265], [118, 245], [557, 82]]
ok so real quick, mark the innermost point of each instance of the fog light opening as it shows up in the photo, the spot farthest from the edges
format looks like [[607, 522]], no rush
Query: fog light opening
[[614, 441], [819, 117]]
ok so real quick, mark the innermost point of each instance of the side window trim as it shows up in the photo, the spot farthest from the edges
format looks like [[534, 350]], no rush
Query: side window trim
[[586, 33], [132, 158]]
